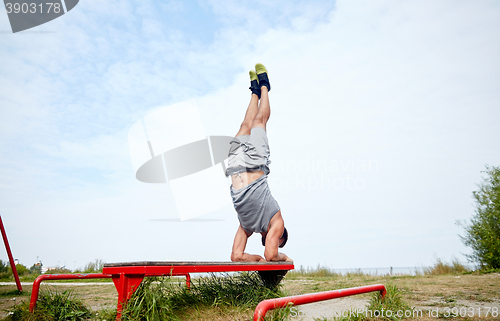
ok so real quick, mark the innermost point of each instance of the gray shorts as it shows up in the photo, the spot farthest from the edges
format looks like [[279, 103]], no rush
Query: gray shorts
[[249, 153]]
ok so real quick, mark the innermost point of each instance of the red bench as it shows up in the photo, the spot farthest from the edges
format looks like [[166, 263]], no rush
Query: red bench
[[128, 276]]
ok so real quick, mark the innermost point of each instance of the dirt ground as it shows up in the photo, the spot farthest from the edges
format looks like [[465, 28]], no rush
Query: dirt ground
[[96, 295], [470, 295]]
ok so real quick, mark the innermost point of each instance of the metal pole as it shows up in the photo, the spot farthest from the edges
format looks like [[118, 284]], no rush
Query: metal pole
[[9, 253], [38, 280], [270, 304]]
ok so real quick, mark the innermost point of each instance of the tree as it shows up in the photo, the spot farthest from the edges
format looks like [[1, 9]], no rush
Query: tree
[[3, 266], [482, 234], [36, 268], [94, 267], [21, 270], [4, 270]]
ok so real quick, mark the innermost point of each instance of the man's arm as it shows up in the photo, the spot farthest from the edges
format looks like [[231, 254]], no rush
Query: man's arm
[[276, 228], [271, 252], [240, 242]]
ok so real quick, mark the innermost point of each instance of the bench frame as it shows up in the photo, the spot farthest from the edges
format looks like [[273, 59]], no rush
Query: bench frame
[[128, 276]]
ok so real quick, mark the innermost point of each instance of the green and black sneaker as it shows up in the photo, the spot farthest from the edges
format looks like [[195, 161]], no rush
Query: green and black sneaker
[[262, 76], [254, 83]]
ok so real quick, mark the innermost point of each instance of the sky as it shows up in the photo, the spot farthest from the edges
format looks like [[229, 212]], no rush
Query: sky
[[384, 114]]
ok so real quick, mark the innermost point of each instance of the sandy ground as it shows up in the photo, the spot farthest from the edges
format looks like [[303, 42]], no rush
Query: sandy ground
[[433, 297], [345, 306], [328, 309]]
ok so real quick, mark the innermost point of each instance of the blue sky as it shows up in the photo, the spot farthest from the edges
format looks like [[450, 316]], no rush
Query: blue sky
[[408, 87]]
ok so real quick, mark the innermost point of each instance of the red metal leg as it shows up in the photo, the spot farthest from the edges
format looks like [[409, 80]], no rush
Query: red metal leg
[[11, 259], [188, 281], [126, 286], [34, 293]]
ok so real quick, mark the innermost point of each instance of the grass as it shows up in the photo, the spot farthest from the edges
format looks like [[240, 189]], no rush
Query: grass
[[210, 298], [52, 306], [159, 299], [319, 271], [29, 275], [13, 293], [442, 268], [322, 272], [439, 268]]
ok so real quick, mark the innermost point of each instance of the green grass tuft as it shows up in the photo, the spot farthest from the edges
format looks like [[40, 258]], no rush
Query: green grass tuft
[[160, 299], [392, 301], [51, 306]]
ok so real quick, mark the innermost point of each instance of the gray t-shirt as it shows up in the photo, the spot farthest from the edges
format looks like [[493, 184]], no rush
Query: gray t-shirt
[[255, 205]]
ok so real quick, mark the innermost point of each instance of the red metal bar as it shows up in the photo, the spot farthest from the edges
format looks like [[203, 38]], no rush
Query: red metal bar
[[125, 284], [11, 259], [266, 305], [38, 280], [188, 281]]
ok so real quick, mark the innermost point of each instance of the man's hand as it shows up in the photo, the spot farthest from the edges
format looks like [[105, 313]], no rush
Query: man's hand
[[280, 257], [245, 257]]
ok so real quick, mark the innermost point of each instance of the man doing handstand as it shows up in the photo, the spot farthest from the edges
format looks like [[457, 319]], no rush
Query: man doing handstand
[[248, 166]]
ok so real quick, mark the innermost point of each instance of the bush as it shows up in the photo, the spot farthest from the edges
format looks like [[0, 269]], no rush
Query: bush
[[21, 270], [36, 269], [4, 270], [59, 270], [94, 267], [441, 267], [483, 232], [4, 266]]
